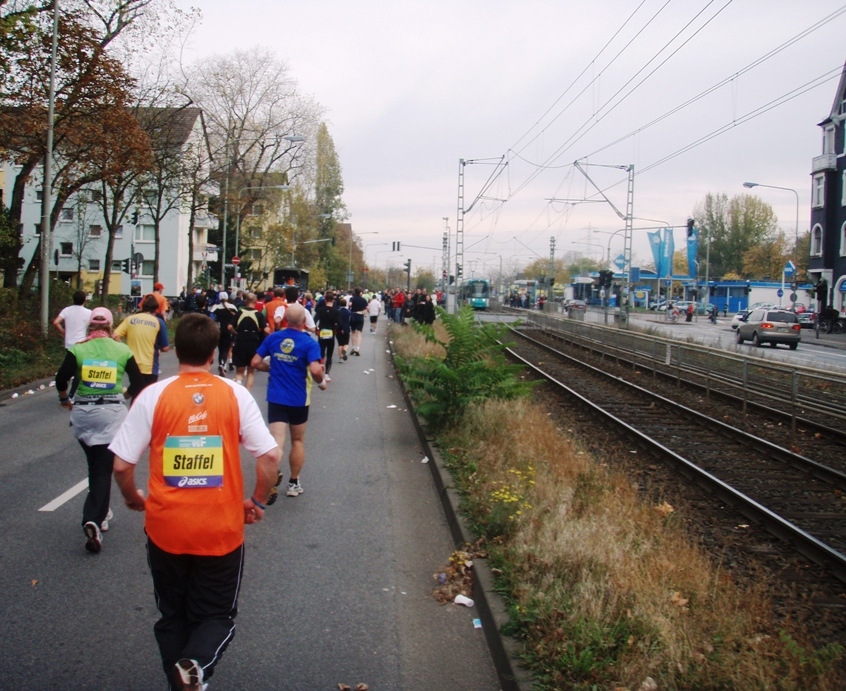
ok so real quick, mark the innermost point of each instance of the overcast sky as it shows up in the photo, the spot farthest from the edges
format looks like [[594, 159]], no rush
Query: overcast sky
[[411, 87]]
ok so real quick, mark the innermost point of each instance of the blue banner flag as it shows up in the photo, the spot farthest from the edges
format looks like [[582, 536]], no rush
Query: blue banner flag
[[692, 249]]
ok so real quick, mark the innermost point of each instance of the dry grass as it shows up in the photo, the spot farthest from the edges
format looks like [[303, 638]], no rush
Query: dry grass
[[606, 592], [409, 344]]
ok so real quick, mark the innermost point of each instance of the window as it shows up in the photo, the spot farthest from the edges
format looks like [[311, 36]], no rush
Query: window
[[66, 249], [818, 192], [119, 232], [95, 231], [816, 240], [96, 196], [828, 140], [254, 254], [258, 209], [38, 228], [147, 267], [93, 264], [39, 194], [151, 198], [117, 266], [255, 232], [145, 233], [843, 190], [843, 240], [66, 214]]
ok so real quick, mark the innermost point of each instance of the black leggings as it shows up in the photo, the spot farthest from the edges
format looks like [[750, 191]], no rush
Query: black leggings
[[327, 348], [100, 463]]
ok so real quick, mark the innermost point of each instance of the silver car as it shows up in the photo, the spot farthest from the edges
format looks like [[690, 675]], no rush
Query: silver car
[[773, 326]]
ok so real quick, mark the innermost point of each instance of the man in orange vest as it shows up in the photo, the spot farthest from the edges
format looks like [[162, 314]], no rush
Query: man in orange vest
[[196, 510]]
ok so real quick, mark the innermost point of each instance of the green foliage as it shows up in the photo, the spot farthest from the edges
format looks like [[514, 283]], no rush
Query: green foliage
[[474, 369]]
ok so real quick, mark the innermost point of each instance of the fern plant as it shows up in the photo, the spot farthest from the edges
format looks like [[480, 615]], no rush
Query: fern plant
[[473, 369]]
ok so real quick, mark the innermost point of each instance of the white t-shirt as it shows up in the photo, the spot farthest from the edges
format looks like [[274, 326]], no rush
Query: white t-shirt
[[375, 307], [279, 315], [76, 319], [135, 433]]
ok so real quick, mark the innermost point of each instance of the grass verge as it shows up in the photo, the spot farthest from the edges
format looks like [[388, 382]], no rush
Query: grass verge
[[603, 590]]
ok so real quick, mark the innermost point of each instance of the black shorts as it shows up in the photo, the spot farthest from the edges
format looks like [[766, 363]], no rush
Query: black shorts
[[289, 414], [374, 318], [356, 322]]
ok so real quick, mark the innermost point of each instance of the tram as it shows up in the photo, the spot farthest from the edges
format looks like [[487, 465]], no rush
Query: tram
[[290, 276], [477, 293]]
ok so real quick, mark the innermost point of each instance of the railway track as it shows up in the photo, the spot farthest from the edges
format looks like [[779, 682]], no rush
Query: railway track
[[797, 498]]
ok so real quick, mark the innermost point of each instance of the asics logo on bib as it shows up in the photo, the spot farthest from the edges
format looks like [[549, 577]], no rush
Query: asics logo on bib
[[193, 482]]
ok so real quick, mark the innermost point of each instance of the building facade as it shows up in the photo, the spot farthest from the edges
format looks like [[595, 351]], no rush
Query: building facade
[[827, 262]]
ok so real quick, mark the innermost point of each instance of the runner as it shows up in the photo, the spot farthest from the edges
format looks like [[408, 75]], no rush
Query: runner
[[196, 511], [249, 330], [96, 412], [358, 307], [294, 364], [327, 319]]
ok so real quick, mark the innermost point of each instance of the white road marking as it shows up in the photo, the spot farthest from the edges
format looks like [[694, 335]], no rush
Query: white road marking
[[67, 496]]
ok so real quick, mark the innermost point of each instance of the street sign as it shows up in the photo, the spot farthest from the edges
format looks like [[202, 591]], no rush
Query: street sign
[[620, 262], [780, 293], [789, 269], [668, 282], [792, 297], [236, 260]]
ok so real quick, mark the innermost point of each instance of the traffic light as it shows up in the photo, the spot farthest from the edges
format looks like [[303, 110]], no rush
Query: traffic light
[[690, 231], [396, 246], [135, 217], [407, 266], [125, 266], [458, 271], [605, 277]]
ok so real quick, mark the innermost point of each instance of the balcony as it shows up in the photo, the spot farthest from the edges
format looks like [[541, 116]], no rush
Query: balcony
[[207, 254], [824, 162]]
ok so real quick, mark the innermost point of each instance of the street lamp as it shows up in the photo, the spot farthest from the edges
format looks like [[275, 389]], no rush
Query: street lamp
[[750, 185], [238, 219], [349, 266]]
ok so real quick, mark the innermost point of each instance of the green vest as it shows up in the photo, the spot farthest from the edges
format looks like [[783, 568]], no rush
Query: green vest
[[100, 364]]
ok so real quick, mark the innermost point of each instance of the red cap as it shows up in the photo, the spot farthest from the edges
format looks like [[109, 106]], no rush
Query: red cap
[[158, 286]]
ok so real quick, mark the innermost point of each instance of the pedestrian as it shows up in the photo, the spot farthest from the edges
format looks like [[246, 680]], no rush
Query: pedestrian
[[72, 321], [399, 306], [249, 331], [226, 315], [326, 318], [195, 509], [96, 411], [689, 313], [146, 336], [294, 363], [162, 304], [374, 309], [343, 331], [426, 311], [358, 308]]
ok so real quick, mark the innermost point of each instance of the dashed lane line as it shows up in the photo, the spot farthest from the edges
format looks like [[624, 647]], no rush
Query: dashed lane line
[[66, 496]]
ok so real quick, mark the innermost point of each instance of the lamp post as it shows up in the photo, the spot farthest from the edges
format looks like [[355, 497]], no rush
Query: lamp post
[[238, 219], [750, 185], [349, 266]]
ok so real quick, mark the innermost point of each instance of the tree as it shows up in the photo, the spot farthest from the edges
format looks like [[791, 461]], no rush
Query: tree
[[93, 131], [767, 259], [260, 128], [734, 226]]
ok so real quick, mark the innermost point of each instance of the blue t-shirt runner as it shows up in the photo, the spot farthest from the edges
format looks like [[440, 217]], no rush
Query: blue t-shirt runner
[[291, 351]]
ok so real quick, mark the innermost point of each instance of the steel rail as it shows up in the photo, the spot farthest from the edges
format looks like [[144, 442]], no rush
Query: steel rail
[[803, 542]]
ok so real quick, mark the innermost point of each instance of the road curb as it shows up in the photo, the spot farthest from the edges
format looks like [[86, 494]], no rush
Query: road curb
[[491, 607]]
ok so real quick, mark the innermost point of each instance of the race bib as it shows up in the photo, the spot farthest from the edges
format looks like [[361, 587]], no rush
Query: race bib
[[326, 333], [99, 374], [193, 462]]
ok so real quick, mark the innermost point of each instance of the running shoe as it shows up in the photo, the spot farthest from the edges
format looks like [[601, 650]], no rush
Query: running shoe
[[344, 356], [231, 366], [188, 674], [326, 377], [104, 526], [221, 371], [295, 489], [274, 493], [95, 540]]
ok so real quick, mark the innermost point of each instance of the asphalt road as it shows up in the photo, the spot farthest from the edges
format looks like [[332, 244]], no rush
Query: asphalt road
[[337, 583]]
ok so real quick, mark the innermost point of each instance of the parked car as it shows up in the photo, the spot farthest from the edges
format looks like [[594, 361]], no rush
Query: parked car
[[698, 307], [739, 317], [771, 326], [806, 319]]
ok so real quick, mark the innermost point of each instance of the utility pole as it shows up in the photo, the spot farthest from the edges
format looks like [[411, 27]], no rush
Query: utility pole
[[551, 268]]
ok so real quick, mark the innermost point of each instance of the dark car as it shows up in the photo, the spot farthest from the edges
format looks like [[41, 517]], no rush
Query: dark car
[[771, 326]]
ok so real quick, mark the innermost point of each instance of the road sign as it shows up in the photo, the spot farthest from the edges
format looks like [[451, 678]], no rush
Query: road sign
[[789, 269], [780, 293], [668, 283], [792, 297], [620, 262], [236, 260]]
